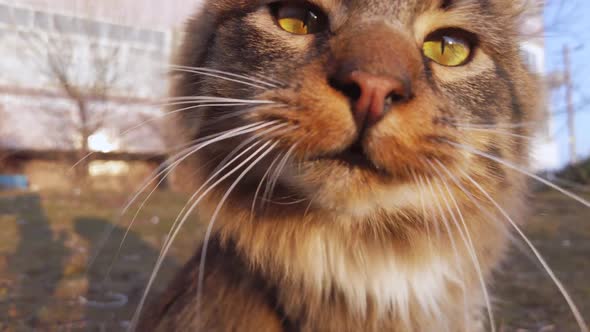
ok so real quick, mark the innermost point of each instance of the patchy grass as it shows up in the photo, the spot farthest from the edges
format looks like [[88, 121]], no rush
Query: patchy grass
[[47, 242], [48, 239], [578, 173], [526, 298]]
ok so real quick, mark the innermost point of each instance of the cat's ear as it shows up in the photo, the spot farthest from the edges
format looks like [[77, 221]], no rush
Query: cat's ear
[[198, 32], [201, 27], [517, 8]]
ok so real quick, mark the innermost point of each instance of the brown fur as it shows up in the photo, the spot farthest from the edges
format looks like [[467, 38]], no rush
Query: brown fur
[[319, 264]]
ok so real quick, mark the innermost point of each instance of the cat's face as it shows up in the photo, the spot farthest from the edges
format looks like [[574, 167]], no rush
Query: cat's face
[[370, 96]]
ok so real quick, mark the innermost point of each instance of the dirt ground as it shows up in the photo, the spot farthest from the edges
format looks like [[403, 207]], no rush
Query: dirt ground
[[48, 239]]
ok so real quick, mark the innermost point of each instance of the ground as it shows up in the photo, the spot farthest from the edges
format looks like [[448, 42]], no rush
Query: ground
[[48, 239]]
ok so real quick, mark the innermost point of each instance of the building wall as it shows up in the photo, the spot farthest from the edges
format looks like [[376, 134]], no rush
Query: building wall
[[545, 152], [35, 112], [159, 14], [37, 122], [137, 56]]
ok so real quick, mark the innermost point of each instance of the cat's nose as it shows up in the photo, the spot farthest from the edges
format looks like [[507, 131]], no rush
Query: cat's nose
[[372, 96]]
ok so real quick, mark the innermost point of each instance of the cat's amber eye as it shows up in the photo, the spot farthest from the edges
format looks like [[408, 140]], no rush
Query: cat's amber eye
[[448, 48], [299, 19]]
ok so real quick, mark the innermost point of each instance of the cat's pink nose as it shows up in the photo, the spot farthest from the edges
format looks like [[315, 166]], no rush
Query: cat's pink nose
[[372, 96]]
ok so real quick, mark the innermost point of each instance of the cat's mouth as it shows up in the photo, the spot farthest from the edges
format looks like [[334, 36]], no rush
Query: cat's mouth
[[354, 157]]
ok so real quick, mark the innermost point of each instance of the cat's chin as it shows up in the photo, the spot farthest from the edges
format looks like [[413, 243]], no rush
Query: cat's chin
[[353, 159]]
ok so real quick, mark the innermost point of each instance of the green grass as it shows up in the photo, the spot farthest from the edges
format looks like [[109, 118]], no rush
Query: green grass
[[47, 239]]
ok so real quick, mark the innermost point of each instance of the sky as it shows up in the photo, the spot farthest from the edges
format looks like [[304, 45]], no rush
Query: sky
[[568, 23]]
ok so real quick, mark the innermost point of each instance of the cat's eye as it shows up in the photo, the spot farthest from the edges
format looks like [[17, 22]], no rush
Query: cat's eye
[[299, 19], [449, 48]]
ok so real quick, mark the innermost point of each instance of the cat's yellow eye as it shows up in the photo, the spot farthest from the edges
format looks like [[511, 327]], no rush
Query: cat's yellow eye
[[448, 50], [299, 19]]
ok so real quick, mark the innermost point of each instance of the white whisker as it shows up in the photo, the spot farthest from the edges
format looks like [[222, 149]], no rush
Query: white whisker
[[467, 239], [260, 186], [181, 110], [275, 177], [176, 231], [155, 118], [215, 100], [523, 171], [248, 141], [497, 126], [214, 218], [452, 239], [157, 173], [213, 74], [421, 187], [496, 132], [222, 72], [575, 311]]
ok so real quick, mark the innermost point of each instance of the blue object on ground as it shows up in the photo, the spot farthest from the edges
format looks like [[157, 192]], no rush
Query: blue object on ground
[[13, 182]]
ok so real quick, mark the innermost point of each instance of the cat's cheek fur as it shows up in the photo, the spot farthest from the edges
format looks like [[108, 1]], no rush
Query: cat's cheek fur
[[479, 64], [408, 136], [321, 115]]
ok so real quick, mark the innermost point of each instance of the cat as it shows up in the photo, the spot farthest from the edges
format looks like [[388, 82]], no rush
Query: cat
[[349, 179]]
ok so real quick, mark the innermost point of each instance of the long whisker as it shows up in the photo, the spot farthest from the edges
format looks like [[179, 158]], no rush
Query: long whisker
[[451, 238], [182, 110], [213, 74], [497, 132], [168, 170], [248, 141], [271, 80], [467, 239], [421, 187], [205, 141], [159, 116], [576, 312], [212, 100], [294, 202], [189, 100], [205, 97], [436, 225], [216, 173], [176, 231], [497, 125], [216, 71], [214, 218], [260, 186], [521, 170], [275, 177]]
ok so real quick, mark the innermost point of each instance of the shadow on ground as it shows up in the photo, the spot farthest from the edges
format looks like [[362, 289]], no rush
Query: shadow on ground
[[48, 240], [35, 268], [46, 280]]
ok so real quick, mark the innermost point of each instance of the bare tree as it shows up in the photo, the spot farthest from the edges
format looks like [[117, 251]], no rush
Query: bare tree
[[85, 72], [76, 61]]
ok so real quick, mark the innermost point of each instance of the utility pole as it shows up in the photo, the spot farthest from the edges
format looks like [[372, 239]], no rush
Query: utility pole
[[569, 91]]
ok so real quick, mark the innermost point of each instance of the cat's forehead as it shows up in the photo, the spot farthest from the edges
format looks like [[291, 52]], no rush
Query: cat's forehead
[[473, 15], [394, 8], [405, 11]]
